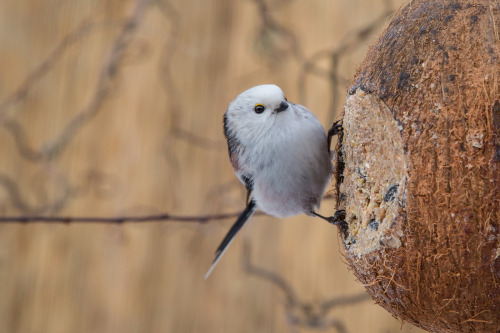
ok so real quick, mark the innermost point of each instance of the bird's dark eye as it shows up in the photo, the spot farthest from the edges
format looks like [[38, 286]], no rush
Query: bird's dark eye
[[259, 108]]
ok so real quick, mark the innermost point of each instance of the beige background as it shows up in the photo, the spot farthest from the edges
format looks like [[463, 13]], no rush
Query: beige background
[[111, 108]]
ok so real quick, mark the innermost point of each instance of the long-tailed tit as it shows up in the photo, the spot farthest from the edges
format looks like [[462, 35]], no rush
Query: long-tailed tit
[[280, 152]]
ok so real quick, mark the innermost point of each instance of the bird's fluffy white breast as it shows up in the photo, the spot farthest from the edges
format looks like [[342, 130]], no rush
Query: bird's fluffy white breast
[[292, 164]]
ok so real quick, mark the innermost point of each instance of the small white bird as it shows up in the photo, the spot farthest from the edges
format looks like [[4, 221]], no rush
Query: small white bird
[[280, 152]]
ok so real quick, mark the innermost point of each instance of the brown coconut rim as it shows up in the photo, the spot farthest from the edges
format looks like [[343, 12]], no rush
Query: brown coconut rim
[[418, 171]]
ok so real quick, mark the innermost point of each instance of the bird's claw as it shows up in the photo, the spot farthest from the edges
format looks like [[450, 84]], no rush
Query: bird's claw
[[338, 217], [336, 129]]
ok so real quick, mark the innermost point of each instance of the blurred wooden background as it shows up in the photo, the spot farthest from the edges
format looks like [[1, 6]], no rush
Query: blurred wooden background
[[112, 108]]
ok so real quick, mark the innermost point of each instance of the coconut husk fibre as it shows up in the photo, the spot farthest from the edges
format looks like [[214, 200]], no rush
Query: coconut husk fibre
[[418, 167]]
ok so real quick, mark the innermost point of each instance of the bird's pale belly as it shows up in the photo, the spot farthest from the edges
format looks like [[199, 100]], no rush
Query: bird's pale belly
[[282, 201]]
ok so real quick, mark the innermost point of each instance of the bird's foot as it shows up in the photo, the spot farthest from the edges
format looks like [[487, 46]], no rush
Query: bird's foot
[[337, 218], [336, 129]]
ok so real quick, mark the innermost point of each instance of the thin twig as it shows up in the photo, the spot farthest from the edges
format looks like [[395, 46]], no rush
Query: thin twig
[[107, 73], [14, 192], [20, 203], [298, 313], [21, 92], [119, 219]]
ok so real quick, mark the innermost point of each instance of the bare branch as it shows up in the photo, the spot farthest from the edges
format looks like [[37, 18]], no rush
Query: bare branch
[[120, 219], [17, 200], [12, 188], [108, 72], [270, 276], [298, 313], [272, 32], [21, 92], [198, 141]]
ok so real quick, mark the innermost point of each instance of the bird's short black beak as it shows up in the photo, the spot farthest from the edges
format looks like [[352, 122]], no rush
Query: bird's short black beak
[[282, 107]]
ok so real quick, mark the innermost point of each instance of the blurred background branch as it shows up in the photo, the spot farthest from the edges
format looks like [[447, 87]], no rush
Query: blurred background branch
[[108, 72], [299, 313]]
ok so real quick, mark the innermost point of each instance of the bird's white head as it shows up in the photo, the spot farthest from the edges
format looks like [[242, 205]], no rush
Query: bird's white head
[[256, 109]]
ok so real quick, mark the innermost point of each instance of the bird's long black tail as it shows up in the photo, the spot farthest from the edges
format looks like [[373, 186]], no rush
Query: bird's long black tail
[[245, 215]]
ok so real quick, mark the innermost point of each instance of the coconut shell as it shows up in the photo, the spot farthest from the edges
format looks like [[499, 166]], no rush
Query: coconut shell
[[418, 167]]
